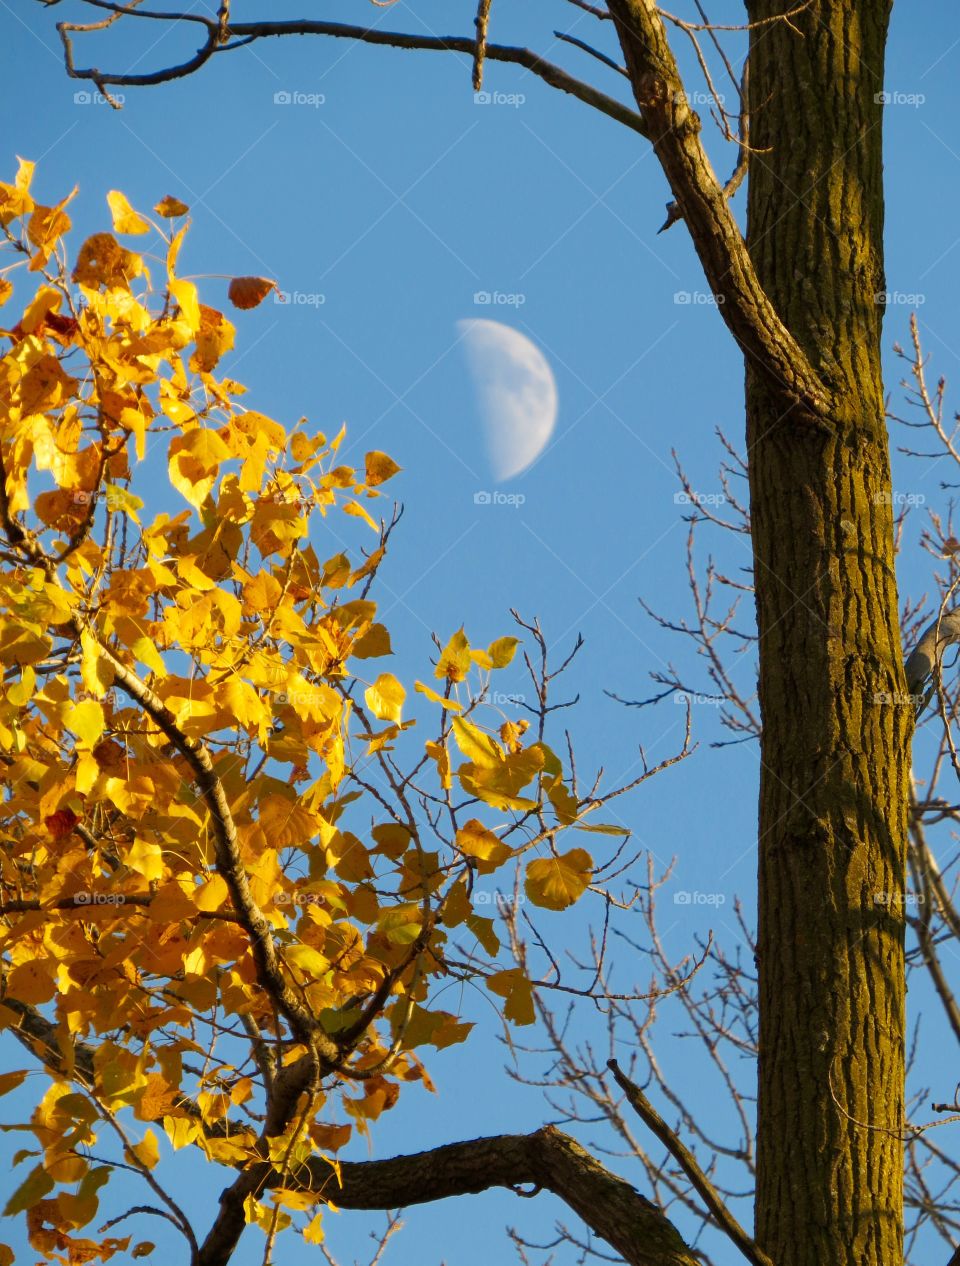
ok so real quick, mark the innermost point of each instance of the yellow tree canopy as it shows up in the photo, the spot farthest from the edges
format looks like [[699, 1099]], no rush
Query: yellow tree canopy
[[224, 908]]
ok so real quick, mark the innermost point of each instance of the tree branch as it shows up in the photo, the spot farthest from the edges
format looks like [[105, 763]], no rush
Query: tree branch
[[249, 31], [674, 130], [687, 1161], [547, 1159]]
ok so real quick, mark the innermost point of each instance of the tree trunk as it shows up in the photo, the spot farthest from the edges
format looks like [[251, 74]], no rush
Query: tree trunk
[[836, 723]]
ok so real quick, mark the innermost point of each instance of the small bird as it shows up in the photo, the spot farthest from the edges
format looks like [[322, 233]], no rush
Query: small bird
[[673, 215]]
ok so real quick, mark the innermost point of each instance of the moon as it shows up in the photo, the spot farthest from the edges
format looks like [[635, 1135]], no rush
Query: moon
[[516, 394]]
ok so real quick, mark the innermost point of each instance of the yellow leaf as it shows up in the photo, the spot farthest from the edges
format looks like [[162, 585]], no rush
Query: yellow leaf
[[214, 337], [212, 895], [191, 574], [10, 1081], [372, 644], [125, 219], [32, 1190], [21, 692], [86, 773], [146, 652], [435, 698], [478, 747], [379, 468], [476, 841], [85, 720], [243, 702], [358, 512], [185, 293], [6, 290], [502, 651], [557, 882], [44, 301], [137, 422], [563, 801], [95, 672], [194, 462], [313, 1231], [439, 753], [145, 858], [310, 961], [385, 698], [518, 991], [180, 1131], [454, 662], [147, 1152], [29, 983]]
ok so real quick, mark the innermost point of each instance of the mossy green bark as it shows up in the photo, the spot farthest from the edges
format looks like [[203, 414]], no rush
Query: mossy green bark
[[836, 723]]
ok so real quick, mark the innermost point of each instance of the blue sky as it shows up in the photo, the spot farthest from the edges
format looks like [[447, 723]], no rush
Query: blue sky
[[384, 205]]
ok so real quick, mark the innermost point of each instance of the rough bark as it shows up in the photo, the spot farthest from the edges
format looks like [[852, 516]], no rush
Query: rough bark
[[544, 1161], [836, 719]]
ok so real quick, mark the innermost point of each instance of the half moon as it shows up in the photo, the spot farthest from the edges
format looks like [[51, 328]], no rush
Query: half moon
[[516, 394]]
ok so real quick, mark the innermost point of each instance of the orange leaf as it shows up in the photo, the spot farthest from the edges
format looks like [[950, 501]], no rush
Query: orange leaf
[[250, 292]]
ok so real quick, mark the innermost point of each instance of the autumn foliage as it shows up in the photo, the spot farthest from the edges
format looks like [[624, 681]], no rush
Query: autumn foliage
[[226, 901]]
